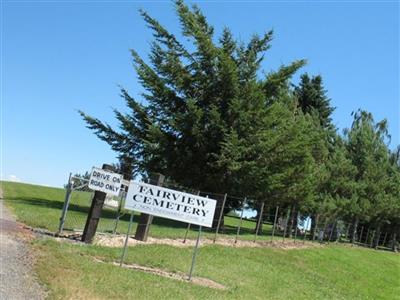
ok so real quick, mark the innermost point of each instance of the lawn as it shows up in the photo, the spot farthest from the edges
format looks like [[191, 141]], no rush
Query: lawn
[[329, 272], [40, 207], [69, 270]]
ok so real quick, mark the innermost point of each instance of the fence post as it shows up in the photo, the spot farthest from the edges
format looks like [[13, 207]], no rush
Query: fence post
[[331, 233], [366, 238], [194, 254], [186, 233], [118, 213], [394, 242], [355, 228], [305, 229], [221, 215], [66, 204], [346, 234], [188, 227], [384, 239], [372, 238], [295, 227], [126, 239], [315, 227], [291, 223], [361, 232], [275, 219], [259, 220], [241, 219], [323, 231], [286, 223]]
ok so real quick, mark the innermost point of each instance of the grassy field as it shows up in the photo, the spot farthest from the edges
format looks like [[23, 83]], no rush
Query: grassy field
[[41, 207], [331, 272], [325, 272]]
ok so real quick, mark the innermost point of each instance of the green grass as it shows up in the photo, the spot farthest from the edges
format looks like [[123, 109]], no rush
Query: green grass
[[69, 270], [40, 207], [331, 272]]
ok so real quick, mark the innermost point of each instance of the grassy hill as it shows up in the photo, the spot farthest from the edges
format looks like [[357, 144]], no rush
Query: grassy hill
[[40, 207], [324, 272]]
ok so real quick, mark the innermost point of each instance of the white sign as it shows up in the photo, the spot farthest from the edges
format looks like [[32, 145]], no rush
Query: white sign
[[170, 204], [104, 181]]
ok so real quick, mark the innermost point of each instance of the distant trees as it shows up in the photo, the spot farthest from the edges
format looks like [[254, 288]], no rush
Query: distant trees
[[377, 181], [210, 121], [80, 181], [312, 99]]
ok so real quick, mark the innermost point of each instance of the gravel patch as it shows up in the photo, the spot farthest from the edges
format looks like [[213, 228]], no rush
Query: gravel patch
[[118, 241], [172, 275], [16, 277]]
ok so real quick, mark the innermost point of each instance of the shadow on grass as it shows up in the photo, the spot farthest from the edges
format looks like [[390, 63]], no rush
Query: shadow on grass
[[58, 205], [111, 215]]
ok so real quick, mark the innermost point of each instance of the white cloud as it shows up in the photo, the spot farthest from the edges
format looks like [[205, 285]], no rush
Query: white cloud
[[14, 178]]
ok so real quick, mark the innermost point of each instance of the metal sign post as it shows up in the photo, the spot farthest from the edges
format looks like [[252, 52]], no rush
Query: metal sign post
[[305, 229], [194, 254], [68, 192], [188, 227], [220, 217], [259, 221], [186, 233], [126, 240], [286, 224], [275, 219], [241, 220]]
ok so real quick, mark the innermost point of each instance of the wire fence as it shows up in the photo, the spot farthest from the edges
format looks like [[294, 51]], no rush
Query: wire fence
[[266, 224]]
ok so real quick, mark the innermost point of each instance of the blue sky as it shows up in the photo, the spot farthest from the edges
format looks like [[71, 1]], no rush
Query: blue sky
[[61, 56]]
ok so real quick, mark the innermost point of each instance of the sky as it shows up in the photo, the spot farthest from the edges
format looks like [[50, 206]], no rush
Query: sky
[[58, 57]]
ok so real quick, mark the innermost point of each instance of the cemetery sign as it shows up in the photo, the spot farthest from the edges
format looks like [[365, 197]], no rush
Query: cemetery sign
[[170, 204]]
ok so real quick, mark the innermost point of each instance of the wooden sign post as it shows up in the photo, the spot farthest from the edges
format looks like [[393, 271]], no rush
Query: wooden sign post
[[145, 220], [100, 186]]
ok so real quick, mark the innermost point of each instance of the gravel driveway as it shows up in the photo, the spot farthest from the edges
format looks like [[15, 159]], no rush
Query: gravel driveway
[[16, 277]]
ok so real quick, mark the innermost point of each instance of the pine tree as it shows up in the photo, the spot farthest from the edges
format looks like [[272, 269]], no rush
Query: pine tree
[[367, 148], [338, 189], [192, 99], [274, 163], [312, 99]]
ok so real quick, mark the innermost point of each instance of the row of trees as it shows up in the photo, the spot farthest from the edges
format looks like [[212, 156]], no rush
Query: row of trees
[[210, 121]]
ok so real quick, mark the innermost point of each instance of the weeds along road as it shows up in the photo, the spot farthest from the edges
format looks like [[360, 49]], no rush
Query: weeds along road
[[16, 277]]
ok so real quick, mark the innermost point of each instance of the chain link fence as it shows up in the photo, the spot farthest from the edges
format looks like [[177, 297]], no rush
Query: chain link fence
[[265, 224]]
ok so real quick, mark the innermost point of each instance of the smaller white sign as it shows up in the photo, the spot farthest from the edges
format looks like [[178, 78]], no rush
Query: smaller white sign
[[104, 181], [170, 204]]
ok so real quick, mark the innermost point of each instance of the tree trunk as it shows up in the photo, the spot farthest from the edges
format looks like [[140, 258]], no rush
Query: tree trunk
[[219, 209], [394, 243], [314, 223], [291, 221], [377, 237], [354, 231]]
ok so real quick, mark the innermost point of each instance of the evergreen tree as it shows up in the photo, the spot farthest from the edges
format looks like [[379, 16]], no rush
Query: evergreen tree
[[312, 99], [208, 121], [273, 160], [192, 99], [338, 189], [366, 144]]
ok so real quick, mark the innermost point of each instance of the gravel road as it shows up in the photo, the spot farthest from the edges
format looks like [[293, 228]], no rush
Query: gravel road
[[16, 277]]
